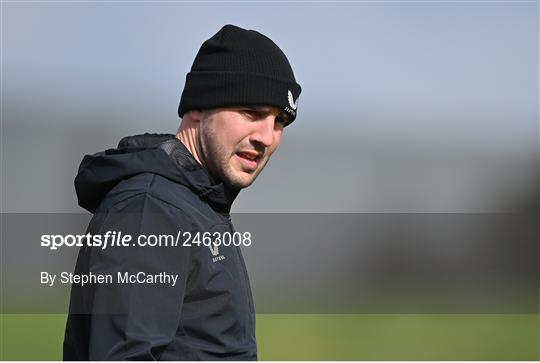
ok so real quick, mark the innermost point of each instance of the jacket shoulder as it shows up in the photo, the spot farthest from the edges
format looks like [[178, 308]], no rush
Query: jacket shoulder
[[153, 185]]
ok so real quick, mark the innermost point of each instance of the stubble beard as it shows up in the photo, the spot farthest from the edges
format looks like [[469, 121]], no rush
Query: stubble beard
[[218, 161]]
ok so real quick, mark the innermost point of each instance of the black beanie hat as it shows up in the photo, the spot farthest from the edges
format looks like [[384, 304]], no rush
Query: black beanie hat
[[238, 67]]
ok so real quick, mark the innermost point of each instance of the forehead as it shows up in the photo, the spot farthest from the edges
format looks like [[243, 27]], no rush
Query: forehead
[[264, 109]]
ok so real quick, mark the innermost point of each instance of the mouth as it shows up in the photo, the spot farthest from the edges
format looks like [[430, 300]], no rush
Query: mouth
[[249, 159]]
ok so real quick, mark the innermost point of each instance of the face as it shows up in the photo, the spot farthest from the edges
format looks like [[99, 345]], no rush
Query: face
[[236, 143]]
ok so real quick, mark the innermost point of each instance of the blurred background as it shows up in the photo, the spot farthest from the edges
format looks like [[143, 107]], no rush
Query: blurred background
[[408, 108]]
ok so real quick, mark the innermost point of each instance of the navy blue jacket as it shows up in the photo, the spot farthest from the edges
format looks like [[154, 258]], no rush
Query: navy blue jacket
[[151, 184]]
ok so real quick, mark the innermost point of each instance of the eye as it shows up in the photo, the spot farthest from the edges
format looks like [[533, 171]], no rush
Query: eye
[[281, 120]]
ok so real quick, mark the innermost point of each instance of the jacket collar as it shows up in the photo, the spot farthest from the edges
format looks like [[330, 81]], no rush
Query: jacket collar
[[214, 192], [161, 154]]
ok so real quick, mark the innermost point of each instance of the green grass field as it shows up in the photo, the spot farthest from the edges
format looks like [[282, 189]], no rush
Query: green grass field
[[331, 337]]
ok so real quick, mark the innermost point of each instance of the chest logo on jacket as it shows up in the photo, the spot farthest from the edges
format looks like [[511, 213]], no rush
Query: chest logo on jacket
[[214, 248]]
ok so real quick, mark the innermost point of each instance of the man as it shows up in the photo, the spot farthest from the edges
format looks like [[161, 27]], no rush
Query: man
[[194, 301]]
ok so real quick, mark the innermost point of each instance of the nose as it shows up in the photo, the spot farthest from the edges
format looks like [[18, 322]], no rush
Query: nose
[[264, 131]]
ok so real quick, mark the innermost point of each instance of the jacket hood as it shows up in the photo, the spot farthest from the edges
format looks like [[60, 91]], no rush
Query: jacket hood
[[161, 154]]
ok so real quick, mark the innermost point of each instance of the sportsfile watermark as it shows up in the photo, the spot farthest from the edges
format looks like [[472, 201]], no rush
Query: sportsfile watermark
[[319, 263], [121, 239]]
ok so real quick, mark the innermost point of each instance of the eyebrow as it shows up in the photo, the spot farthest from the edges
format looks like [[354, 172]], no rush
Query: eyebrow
[[266, 110]]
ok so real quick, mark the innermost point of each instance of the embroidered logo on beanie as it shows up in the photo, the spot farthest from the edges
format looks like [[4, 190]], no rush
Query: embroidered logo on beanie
[[291, 100]]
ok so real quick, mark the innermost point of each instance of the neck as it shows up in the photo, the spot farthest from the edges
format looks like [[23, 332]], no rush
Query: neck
[[188, 137]]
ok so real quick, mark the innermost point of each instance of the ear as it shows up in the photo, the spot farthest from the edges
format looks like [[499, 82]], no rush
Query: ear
[[195, 115]]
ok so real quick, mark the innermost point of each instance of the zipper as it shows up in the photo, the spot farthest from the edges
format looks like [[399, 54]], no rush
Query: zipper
[[247, 285]]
